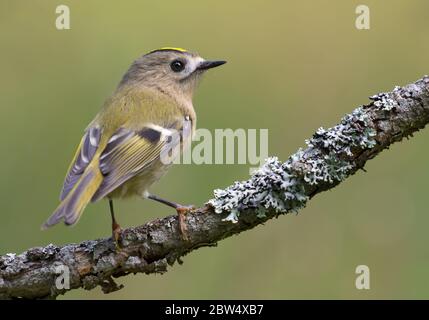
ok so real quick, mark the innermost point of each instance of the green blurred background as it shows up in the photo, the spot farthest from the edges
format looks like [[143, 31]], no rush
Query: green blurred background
[[292, 66]]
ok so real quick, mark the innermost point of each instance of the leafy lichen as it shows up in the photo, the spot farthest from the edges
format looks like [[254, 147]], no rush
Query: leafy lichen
[[273, 186], [282, 186], [331, 156], [385, 100]]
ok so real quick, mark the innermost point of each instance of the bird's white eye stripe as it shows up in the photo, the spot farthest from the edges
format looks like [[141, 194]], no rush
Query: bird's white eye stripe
[[195, 62]]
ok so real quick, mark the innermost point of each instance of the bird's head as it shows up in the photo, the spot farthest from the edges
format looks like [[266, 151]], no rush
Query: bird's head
[[172, 70]]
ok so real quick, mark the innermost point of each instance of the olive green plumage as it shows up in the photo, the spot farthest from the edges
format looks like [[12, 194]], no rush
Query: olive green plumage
[[119, 154]]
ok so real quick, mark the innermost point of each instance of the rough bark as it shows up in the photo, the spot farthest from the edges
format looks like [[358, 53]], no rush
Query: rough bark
[[330, 156]]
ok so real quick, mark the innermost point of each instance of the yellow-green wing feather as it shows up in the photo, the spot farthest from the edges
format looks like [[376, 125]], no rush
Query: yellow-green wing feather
[[134, 153], [82, 180], [84, 155]]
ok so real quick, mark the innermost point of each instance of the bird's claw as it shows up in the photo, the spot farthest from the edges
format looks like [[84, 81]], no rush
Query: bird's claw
[[116, 235], [182, 211]]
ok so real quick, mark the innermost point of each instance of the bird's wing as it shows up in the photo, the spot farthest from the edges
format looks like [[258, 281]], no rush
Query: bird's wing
[[84, 154], [129, 152]]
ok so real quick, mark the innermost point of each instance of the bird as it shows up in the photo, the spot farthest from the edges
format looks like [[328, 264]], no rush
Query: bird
[[124, 149]]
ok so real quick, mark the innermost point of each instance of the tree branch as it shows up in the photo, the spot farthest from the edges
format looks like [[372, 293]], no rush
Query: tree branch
[[276, 188]]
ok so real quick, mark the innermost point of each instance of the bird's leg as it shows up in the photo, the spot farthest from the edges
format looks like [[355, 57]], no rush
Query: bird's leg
[[181, 211], [116, 228]]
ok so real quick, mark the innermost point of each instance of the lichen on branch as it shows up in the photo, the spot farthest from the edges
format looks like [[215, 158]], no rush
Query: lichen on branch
[[282, 186]]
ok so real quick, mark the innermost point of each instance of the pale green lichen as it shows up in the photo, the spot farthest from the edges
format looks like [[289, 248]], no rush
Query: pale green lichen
[[273, 186], [281, 186], [232, 217], [330, 157], [385, 101]]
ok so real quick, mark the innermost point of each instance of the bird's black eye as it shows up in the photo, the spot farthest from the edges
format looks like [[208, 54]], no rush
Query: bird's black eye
[[177, 65]]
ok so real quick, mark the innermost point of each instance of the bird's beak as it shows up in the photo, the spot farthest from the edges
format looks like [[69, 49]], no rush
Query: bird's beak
[[210, 64]]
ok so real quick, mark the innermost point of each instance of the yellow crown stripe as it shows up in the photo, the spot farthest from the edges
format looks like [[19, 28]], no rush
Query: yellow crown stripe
[[169, 49], [172, 48]]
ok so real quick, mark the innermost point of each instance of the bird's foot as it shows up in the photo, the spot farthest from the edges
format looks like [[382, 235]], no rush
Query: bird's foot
[[182, 211], [116, 234]]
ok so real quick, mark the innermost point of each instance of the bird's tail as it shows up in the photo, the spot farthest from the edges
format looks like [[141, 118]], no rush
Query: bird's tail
[[71, 208]]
